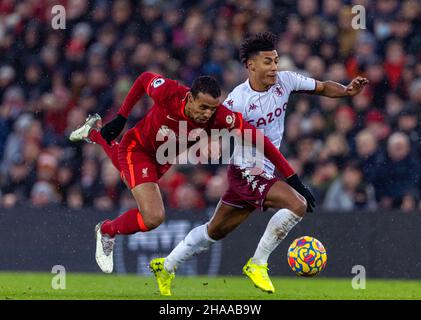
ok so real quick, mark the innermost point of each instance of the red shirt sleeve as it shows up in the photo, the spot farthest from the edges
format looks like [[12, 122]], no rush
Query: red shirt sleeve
[[269, 150], [225, 118], [154, 85]]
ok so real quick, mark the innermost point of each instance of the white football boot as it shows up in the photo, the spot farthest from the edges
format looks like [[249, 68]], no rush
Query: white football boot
[[104, 250], [93, 121]]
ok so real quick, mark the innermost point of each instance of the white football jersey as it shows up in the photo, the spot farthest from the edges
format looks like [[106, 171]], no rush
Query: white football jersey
[[266, 111]]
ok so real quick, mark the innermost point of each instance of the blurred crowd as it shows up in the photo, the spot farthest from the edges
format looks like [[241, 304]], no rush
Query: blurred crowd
[[355, 153]]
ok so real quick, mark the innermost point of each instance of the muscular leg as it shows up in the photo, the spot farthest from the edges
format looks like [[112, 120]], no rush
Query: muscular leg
[[110, 150], [149, 201], [148, 215], [293, 205], [225, 219], [282, 195]]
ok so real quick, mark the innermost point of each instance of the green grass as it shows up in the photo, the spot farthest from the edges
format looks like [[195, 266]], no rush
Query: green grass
[[97, 286]]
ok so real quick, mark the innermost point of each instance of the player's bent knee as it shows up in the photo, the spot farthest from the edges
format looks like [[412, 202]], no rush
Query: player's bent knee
[[300, 207], [217, 233], [153, 219]]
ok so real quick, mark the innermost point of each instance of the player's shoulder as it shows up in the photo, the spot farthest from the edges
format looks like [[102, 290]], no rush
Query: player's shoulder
[[163, 88], [241, 88], [288, 75], [240, 91], [225, 118], [292, 78], [159, 80], [238, 96]]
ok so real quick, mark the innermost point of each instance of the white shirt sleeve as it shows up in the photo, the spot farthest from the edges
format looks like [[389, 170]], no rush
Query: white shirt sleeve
[[298, 82]]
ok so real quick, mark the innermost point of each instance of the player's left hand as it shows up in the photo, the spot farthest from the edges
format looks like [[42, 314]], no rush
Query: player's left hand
[[356, 86]]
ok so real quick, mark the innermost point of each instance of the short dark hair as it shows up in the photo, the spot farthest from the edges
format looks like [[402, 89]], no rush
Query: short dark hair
[[263, 41], [205, 84]]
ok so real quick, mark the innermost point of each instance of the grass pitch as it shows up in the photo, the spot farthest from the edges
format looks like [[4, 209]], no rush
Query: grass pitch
[[35, 286]]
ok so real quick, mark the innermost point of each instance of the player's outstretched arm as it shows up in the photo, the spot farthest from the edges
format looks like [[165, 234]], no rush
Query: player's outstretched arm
[[334, 89], [113, 128]]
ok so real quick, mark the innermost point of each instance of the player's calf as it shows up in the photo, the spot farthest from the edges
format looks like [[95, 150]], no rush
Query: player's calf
[[298, 206], [153, 218], [196, 241], [225, 220], [281, 195]]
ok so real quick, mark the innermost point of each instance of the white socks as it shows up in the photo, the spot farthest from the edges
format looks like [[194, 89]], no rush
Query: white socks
[[277, 229], [196, 241]]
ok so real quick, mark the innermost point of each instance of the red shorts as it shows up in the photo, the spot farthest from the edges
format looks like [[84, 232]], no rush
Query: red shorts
[[246, 190], [137, 165]]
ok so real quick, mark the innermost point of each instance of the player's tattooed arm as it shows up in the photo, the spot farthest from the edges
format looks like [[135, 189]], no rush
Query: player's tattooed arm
[[334, 89]]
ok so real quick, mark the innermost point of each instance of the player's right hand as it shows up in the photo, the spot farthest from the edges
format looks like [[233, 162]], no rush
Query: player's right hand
[[295, 182], [113, 128]]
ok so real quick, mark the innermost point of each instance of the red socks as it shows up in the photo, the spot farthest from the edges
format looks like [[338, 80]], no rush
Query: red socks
[[128, 223], [131, 221], [111, 151]]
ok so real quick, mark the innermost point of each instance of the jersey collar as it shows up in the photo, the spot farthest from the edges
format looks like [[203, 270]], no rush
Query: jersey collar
[[252, 90]]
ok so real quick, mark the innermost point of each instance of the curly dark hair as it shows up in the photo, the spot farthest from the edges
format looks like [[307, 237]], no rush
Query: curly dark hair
[[263, 41]]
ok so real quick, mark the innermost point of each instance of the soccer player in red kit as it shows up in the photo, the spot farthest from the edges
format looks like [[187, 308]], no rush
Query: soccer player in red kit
[[135, 156]]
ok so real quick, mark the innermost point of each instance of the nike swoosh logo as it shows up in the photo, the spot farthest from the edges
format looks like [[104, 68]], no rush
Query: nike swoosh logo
[[168, 117]]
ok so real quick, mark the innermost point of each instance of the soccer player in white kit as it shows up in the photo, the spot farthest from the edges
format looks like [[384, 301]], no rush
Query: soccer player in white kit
[[262, 99]]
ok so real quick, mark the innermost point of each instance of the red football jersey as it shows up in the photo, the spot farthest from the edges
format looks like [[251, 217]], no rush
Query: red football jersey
[[167, 112]]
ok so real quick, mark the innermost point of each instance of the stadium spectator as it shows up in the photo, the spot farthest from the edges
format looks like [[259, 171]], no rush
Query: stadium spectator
[[325, 173], [89, 180], [408, 123], [400, 162], [376, 123], [66, 177], [47, 168], [187, 197], [215, 187], [369, 154], [74, 198], [43, 193], [335, 148], [349, 192], [110, 183], [345, 123], [17, 186]]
